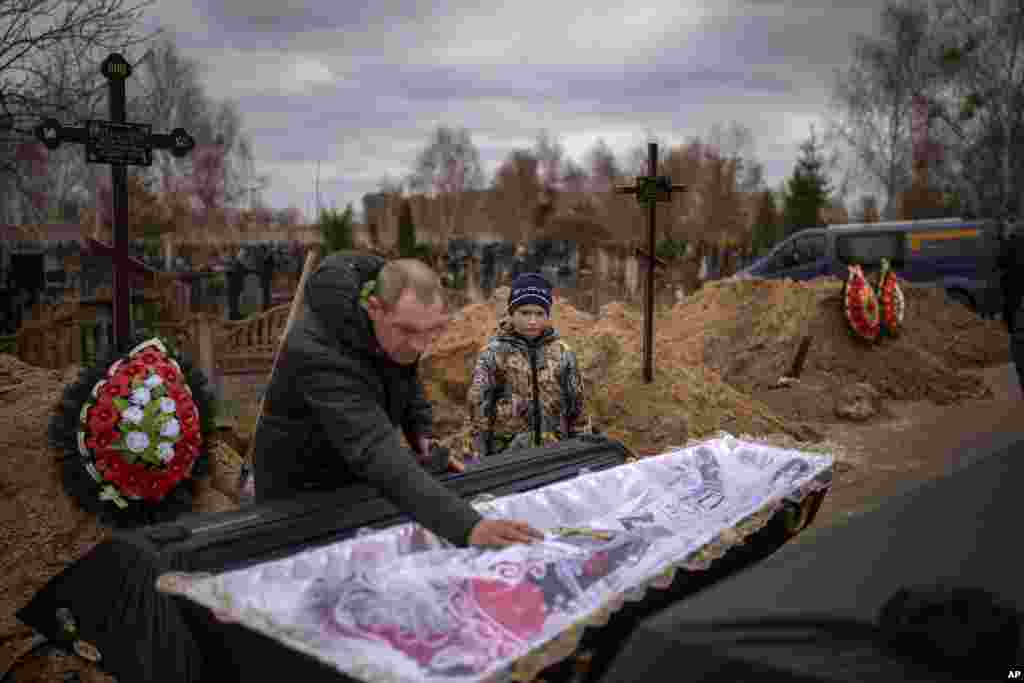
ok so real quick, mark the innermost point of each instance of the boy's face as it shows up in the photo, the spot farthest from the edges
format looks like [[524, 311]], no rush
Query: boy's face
[[529, 320]]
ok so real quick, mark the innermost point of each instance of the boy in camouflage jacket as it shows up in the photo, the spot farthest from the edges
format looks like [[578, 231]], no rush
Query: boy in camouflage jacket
[[527, 389]]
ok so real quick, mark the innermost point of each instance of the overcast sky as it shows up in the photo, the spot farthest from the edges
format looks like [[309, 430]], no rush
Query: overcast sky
[[361, 88]]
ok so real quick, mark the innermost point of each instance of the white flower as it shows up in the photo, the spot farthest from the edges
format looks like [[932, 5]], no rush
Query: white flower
[[165, 450], [167, 405], [170, 429], [137, 441], [154, 381], [141, 396], [133, 415]]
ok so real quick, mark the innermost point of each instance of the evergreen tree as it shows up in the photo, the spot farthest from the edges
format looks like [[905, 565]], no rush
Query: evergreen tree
[[768, 229], [336, 229], [406, 231], [808, 189]]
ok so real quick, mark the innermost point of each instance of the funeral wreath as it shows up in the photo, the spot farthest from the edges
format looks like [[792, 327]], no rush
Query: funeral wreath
[[132, 431], [891, 300], [861, 306]]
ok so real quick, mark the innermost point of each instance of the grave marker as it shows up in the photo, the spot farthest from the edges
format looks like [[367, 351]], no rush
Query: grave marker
[[650, 190], [119, 144]]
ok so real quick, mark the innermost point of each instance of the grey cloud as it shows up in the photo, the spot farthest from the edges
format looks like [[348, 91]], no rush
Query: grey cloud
[[273, 16], [757, 61]]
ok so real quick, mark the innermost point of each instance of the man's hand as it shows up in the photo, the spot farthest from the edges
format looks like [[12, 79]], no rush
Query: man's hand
[[498, 533]]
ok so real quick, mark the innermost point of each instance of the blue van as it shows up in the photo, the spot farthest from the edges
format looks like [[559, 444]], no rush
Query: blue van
[[955, 254]]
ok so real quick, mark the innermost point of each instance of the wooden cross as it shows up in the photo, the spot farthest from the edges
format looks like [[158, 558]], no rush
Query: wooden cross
[[651, 189], [119, 144]]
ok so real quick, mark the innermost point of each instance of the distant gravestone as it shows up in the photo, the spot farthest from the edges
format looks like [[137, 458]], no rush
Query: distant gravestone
[[95, 273], [251, 299]]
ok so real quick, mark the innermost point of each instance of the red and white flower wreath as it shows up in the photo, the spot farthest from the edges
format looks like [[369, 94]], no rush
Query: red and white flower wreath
[[139, 432]]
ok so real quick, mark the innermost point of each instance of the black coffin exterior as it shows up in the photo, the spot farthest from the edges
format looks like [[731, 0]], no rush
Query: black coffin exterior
[[148, 637]]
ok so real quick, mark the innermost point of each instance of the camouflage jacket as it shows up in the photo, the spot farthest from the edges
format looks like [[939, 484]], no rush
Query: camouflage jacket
[[524, 393]]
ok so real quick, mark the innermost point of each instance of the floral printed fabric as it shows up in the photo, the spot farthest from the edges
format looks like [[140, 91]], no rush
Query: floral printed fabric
[[402, 605], [502, 411]]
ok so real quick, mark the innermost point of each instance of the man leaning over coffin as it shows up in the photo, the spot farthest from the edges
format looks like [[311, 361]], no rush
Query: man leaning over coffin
[[346, 381]]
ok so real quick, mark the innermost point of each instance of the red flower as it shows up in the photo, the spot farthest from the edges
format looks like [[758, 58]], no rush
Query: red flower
[[518, 607], [112, 390], [102, 419], [178, 393], [164, 486], [189, 421], [186, 450], [105, 458], [100, 441], [185, 404], [136, 369], [166, 371], [150, 357]]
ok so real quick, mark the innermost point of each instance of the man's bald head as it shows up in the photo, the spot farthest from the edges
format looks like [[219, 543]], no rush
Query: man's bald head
[[408, 309], [407, 273]]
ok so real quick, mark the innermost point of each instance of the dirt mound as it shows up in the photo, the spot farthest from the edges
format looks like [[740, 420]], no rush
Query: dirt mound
[[749, 331], [41, 528], [685, 400]]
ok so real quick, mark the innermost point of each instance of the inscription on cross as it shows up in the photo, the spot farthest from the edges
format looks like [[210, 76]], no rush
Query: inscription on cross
[[120, 144], [649, 190]]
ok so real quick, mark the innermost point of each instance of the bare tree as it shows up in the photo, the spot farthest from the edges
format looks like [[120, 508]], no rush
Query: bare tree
[[448, 168], [604, 168], [962, 59], [978, 94], [550, 154], [49, 66], [574, 177], [872, 101], [517, 195], [171, 93], [867, 210], [390, 185]]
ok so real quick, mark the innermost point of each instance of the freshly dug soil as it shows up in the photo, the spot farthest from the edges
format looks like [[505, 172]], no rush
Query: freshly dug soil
[[750, 331]]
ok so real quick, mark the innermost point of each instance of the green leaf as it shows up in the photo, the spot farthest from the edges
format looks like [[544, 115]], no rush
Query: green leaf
[[150, 456], [152, 410], [122, 404]]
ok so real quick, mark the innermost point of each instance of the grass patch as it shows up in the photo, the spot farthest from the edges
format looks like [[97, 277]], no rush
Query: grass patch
[[617, 395]]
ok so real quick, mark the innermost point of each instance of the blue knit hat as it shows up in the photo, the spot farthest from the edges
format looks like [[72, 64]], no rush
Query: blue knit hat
[[530, 289]]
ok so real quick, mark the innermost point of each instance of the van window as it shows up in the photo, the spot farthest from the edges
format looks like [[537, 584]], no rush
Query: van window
[[869, 250], [965, 243], [810, 248]]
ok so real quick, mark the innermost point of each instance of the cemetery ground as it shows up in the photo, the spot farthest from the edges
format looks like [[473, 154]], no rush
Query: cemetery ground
[[890, 413]]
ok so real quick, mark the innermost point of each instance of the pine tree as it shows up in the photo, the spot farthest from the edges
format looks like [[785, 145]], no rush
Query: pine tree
[[336, 229], [808, 189], [767, 227]]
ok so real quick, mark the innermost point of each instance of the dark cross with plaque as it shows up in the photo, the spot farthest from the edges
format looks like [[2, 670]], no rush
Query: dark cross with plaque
[[120, 144], [651, 189]]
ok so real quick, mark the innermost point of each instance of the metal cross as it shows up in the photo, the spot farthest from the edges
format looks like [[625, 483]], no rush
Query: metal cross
[[119, 144], [651, 189]]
